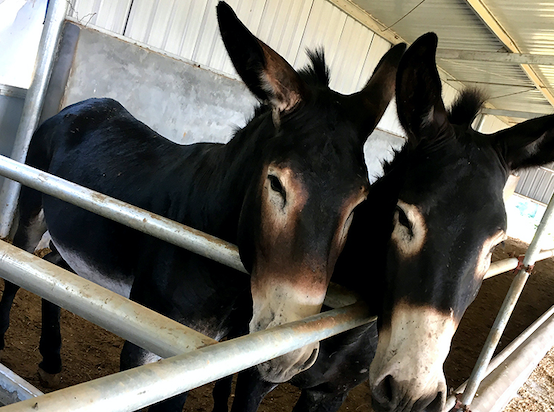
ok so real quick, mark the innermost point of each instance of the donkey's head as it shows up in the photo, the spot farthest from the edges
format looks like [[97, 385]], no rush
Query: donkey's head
[[308, 178], [445, 214]]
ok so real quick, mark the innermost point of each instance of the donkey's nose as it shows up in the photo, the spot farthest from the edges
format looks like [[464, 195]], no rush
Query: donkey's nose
[[390, 395], [384, 395]]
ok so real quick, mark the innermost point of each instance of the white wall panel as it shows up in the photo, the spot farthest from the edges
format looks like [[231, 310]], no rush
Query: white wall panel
[[389, 122], [378, 48], [348, 62], [323, 29], [188, 28], [449, 94], [108, 14]]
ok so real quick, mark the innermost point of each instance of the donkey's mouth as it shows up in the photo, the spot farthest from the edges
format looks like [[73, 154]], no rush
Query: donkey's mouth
[[285, 367]]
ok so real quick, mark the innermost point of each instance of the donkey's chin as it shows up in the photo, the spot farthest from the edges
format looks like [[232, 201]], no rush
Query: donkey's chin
[[285, 367]]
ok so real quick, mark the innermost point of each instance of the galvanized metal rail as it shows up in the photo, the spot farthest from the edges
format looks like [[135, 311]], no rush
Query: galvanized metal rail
[[142, 326], [479, 371], [32, 107], [140, 387], [155, 225]]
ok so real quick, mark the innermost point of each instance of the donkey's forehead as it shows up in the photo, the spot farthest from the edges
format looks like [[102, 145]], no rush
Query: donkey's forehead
[[454, 172]]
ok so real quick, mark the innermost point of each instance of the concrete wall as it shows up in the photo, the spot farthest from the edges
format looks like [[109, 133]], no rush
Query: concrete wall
[[182, 102], [11, 105]]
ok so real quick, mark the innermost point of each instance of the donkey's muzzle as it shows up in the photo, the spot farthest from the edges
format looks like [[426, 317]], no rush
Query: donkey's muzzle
[[390, 395], [283, 368]]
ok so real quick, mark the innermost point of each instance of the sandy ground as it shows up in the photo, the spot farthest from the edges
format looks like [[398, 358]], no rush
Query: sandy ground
[[90, 352]]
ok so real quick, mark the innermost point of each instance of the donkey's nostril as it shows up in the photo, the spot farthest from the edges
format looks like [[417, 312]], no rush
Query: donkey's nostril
[[436, 404], [388, 383], [383, 394], [311, 359]]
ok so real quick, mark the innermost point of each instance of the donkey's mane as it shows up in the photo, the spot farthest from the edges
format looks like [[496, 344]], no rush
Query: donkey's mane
[[462, 112], [466, 106], [316, 73]]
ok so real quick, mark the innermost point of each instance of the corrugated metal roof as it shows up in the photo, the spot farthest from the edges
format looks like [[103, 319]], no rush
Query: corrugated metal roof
[[527, 22], [537, 183]]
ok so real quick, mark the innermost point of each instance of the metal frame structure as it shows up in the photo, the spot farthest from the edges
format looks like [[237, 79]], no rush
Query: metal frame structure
[[161, 335], [191, 367], [34, 100], [134, 389], [480, 370]]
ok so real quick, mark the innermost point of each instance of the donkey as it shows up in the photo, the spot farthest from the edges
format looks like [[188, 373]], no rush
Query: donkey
[[441, 208], [423, 240], [283, 189]]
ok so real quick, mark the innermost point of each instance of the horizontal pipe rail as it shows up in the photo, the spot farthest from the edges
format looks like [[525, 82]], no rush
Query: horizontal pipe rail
[[501, 357], [505, 265], [152, 224], [121, 212], [508, 305], [139, 387], [125, 318]]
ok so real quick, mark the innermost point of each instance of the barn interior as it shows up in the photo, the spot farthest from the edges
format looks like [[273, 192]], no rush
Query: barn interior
[[169, 52]]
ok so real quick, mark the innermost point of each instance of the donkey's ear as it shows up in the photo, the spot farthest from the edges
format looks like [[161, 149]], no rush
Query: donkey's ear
[[265, 73], [527, 144], [374, 98], [418, 91]]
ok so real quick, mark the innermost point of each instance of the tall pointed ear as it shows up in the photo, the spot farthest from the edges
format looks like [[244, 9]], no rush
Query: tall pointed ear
[[527, 144], [418, 91], [268, 76], [374, 98]]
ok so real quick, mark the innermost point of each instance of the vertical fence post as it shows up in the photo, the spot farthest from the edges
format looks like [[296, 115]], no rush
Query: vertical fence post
[[479, 371], [32, 107]]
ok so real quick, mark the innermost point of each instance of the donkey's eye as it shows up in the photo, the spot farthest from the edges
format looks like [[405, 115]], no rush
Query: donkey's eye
[[403, 219], [276, 185]]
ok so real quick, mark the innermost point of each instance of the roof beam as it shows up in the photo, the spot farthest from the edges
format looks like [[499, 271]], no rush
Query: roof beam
[[516, 58], [512, 113], [358, 13], [492, 23]]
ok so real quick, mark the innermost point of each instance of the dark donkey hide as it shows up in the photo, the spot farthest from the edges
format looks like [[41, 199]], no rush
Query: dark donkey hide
[[283, 189], [440, 203], [419, 246]]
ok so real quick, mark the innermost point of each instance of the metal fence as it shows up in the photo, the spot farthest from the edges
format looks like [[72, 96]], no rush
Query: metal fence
[[169, 338], [191, 367]]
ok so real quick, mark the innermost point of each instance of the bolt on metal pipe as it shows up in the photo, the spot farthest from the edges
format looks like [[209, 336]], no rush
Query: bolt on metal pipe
[[32, 107], [504, 265], [479, 371]]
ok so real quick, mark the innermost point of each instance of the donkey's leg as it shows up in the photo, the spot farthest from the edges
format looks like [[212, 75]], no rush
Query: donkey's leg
[[50, 368], [221, 394], [250, 391], [30, 228], [132, 356], [8, 296], [312, 400]]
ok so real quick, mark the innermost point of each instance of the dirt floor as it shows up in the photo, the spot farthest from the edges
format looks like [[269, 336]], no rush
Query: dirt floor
[[90, 352]]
